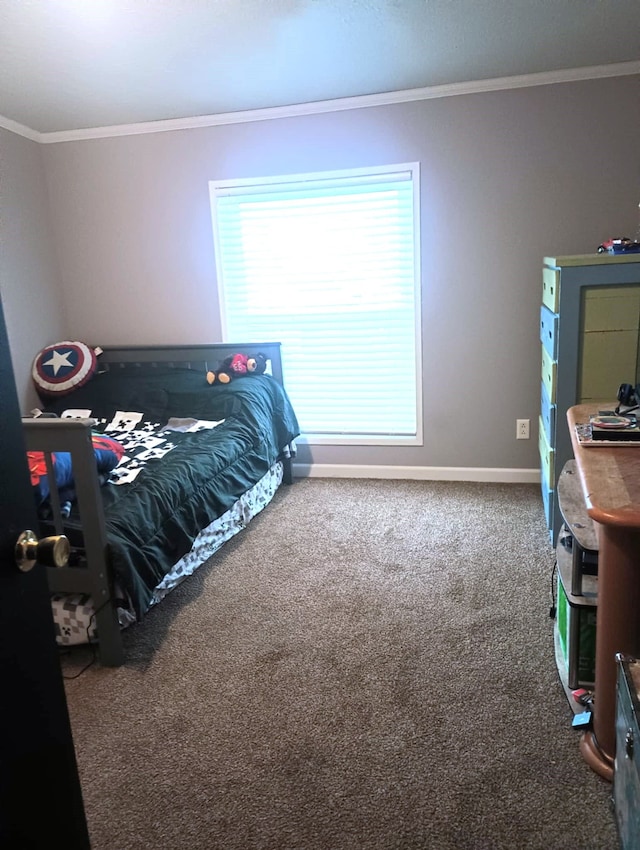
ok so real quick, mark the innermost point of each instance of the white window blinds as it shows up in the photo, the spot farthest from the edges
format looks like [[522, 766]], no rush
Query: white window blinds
[[328, 265]]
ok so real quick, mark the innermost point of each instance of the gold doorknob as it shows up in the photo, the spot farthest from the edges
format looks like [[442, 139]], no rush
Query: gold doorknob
[[49, 551]]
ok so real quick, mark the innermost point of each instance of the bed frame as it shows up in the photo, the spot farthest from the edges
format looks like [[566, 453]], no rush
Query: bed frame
[[49, 435]]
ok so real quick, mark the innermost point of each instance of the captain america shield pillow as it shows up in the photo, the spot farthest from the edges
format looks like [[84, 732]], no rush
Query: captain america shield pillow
[[60, 368]]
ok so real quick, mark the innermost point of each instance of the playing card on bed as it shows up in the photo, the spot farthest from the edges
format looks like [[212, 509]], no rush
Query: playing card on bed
[[154, 452], [124, 421], [124, 474], [188, 425], [203, 425], [76, 413]]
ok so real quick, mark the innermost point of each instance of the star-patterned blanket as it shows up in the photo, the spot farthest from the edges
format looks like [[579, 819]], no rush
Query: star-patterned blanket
[[140, 440]]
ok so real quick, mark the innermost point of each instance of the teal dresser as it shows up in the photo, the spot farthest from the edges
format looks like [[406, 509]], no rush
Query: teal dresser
[[590, 339]]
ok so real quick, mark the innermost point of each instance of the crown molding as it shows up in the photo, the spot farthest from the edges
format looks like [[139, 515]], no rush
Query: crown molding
[[542, 78], [19, 129]]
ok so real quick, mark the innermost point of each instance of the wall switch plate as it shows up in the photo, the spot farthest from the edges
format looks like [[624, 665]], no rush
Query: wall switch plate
[[522, 429]]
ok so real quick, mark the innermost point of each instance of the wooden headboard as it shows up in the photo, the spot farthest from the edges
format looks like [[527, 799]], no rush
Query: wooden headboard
[[202, 358]]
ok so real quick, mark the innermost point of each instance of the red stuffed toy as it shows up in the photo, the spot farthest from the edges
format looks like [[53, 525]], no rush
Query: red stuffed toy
[[230, 368]]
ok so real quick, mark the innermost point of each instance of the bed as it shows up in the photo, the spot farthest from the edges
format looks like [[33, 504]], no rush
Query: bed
[[196, 462]]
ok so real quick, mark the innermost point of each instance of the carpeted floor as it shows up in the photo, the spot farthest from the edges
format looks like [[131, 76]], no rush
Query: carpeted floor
[[369, 665]]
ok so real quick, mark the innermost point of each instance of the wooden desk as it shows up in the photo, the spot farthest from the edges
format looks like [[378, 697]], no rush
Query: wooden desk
[[610, 479]]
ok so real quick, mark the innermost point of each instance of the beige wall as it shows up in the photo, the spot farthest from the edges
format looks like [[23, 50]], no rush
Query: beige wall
[[507, 177], [29, 280]]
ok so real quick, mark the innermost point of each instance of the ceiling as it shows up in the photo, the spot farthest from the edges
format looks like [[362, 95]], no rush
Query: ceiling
[[74, 64]]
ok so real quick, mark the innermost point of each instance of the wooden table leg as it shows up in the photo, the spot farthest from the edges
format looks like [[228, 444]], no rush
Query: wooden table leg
[[617, 630]]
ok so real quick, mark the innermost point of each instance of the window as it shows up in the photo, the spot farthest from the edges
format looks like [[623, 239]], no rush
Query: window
[[328, 265]]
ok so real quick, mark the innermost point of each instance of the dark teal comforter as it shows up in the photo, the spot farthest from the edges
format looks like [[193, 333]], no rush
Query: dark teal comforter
[[152, 521]]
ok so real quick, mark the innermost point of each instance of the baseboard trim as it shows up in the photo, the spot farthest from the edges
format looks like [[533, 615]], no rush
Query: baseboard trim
[[418, 473]]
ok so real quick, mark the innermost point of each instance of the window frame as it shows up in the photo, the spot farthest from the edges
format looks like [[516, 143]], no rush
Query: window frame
[[240, 186]]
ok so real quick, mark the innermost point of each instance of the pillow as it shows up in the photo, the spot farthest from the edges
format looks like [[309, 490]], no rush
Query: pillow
[[60, 368], [107, 452]]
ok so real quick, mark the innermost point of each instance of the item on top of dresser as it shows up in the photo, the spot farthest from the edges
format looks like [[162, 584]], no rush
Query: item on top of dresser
[[629, 398], [619, 245], [615, 428], [610, 420]]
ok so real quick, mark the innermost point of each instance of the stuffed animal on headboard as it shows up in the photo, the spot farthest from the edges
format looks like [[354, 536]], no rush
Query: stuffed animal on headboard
[[237, 366]]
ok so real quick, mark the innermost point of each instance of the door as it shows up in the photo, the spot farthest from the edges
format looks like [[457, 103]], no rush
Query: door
[[40, 796]]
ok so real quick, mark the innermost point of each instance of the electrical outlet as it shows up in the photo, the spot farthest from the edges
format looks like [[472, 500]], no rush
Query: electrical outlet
[[522, 429]]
